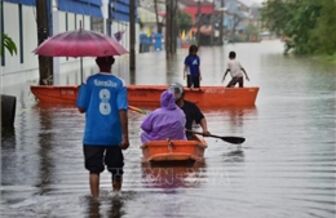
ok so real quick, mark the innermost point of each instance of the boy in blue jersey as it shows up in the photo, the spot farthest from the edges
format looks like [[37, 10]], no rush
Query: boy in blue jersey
[[192, 68], [103, 99]]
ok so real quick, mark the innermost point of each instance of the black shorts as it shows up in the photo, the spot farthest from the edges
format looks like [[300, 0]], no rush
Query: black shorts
[[96, 156], [193, 81], [236, 80]]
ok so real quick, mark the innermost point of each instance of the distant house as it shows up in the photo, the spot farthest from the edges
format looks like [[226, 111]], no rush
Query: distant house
[[202, 14], [193, 8], [149, 38], [238, 17]]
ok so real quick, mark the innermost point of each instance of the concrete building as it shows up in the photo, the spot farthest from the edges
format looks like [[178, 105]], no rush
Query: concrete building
[[18, 20]]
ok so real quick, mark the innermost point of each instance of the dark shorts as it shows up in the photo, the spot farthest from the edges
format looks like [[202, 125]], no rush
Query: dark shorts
[[97, 156], [236, 80], [193, 81]]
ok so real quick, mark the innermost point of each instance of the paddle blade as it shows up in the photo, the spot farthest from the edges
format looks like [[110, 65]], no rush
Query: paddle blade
[[230, 139], [233, 139], [136, 109]]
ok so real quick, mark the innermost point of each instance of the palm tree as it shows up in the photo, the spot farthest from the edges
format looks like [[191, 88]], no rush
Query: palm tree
[[8, 44]]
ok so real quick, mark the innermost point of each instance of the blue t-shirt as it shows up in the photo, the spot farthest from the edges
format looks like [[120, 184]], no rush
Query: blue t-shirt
[[101, 98], [193, 63]]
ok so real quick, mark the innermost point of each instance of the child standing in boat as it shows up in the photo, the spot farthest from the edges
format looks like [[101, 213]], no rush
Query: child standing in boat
[[192, 68], [236, 71]]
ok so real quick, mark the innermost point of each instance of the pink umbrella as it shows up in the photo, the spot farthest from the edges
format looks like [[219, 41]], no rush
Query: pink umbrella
[[80, 43]]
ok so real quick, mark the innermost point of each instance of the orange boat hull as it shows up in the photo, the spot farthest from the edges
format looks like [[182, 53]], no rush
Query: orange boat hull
[[55, 95], [173, 151], [208, 97]]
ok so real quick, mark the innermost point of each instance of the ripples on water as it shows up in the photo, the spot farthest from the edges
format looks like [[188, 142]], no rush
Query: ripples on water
[[286, 167]]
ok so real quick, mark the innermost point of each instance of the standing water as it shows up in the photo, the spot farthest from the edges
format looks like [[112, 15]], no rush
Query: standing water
[[286, 167]]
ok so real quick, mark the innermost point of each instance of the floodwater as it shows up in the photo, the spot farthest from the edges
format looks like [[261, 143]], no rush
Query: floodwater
[[286, 167]]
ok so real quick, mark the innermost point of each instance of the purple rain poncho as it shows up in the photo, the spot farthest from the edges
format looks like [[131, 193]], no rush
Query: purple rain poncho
[[166, 122]]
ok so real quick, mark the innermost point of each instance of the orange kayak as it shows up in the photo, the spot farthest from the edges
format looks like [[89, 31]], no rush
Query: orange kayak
[[161, 151], [148, 96]]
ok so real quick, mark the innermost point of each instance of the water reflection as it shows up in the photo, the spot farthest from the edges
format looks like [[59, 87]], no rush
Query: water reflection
[[172, 69], [116, 207], [237, 116], [45, 139], [231, 121], [93, 206], [21, 98], [8, 139], [173, 177], [8, 147], [236, 155], [111, 206]]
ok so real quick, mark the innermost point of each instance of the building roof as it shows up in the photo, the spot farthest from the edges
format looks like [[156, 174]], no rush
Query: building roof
[[194, 2], [205, 8]]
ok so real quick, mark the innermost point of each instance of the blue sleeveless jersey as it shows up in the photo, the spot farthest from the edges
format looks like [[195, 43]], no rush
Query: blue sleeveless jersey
[[101, 98]]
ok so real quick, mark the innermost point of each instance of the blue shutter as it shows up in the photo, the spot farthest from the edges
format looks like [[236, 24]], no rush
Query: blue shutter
[[24, 2], [119, 10], [86, 7]]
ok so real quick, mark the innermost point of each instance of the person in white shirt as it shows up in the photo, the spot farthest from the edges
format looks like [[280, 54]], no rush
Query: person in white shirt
[[236, 71]]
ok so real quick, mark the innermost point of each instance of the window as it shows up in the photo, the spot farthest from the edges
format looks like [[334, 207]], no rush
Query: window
[[97, 24]]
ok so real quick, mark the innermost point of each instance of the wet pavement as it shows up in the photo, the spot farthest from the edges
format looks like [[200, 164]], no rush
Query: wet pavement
[[286, 167]]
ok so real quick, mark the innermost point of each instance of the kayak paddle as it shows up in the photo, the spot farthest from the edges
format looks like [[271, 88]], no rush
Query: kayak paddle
[[136, 109], [230, 139]]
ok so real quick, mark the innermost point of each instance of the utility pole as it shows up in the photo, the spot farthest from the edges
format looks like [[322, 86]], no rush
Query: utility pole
[[43, 13], [198, 21], [158, 23], [171, 27], [221, 23], [212, 25], [132, 61]]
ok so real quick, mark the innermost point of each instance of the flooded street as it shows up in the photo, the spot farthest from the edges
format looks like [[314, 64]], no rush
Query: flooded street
[[286, 167]]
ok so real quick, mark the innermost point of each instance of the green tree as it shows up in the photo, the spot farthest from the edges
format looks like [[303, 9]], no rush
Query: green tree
[[7, 44], [184, 21], [252, 32], [324, 35], [276, 14], [302, 23]]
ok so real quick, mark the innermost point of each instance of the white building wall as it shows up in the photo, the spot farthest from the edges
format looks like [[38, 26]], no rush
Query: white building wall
[[29, 38], [66, 70], [13, 69]]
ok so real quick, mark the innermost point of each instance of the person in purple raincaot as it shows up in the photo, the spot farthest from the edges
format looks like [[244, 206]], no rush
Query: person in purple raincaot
[[166, 122]]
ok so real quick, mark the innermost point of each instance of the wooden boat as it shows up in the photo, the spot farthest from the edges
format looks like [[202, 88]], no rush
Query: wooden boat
[[174, 151], [208, 97]]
